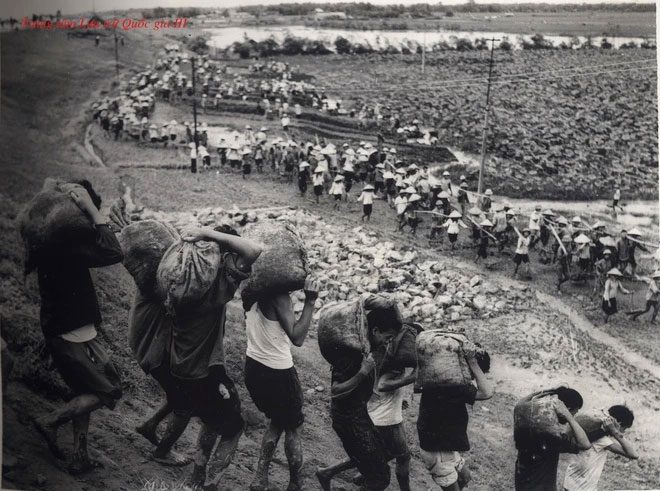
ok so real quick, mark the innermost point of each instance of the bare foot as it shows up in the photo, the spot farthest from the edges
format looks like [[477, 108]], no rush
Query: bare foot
[[172, 459], [49, 433], [324, 479], [148, 432]]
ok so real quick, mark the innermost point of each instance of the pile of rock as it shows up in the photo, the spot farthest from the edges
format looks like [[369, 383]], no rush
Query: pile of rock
[[356, 261]]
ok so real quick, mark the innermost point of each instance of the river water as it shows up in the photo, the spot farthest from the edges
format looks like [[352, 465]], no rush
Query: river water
[[223, 37]]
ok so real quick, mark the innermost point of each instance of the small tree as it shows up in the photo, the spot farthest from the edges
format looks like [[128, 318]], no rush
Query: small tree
[[505, 44], [464, 44], [343, 46], [449, 13], [198, 45], [605, 44]]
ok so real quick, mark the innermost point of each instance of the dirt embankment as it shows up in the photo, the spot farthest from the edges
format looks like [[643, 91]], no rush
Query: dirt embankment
[[532, 343]]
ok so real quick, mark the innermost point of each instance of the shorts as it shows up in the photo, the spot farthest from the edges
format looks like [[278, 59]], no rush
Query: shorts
[[521, 258], [318, 190], [363, 445], [610, 308], [166, 380], [583, 263], [445, 467], [452, 237], [337, 197], [394, 440], [234, 164], [367, 209], [87, 369], [615, 202], [247, 169], [276, 393], [207, 160], [202, 398], [172, 137]]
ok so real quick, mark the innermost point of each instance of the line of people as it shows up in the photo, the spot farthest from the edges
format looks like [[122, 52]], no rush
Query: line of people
[[185, 354]]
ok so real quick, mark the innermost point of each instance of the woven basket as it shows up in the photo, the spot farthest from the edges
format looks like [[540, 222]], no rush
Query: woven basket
[[342, 331]]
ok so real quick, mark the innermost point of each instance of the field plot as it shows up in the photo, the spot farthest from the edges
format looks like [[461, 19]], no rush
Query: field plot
[[579, 120]]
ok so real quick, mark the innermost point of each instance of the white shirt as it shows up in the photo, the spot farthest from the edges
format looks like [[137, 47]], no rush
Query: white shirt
[[386, 408], [267, 342], [337, 188], [80, 335], [401, 203], [317, 179], [193, 153], [367, 198], [534, 221], [611, 289], [583, 473], [617, 194], [523, 245], [285, 121], [453, 227]]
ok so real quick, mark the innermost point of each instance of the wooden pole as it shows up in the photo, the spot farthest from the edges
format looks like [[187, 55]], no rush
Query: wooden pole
[[485, 132], [116, 55], [192, 62]]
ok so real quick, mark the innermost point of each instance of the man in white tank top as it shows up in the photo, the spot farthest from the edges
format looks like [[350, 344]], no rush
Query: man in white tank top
[[272, 380]]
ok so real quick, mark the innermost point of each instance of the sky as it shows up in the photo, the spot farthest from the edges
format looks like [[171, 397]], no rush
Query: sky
[[27, 7]]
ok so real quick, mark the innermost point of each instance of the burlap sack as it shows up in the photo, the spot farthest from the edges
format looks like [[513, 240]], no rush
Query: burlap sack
[[144, 243], [52, 218], [402, 351], [342, 330], [186, 273], [282, 266], [537, 418], [441, 361]]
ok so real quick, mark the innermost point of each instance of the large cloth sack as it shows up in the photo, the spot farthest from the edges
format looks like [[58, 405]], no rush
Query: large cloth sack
[[440, 360], [342, 331], [402, 351], [186, 273], [282, 266], [537, 418], [144, 243], [51, 218]]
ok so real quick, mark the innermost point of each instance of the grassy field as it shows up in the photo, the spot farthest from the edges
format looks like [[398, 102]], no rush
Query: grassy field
[[539, 341], [627, 24]]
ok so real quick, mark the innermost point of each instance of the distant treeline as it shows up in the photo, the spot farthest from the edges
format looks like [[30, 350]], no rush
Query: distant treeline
[[162, 13], [293, 45], [424, 10]]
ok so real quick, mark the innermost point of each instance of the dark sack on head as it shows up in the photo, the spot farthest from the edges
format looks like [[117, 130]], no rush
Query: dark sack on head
[[282, 266], [342, 331], [537, 419], [186, 273], [144, 243], [401, 352], [52, 218], [441, 361]]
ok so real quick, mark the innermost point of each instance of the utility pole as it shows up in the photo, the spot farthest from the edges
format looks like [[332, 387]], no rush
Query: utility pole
[[116, 54], [485, 133], [193, 168], [424, 53]]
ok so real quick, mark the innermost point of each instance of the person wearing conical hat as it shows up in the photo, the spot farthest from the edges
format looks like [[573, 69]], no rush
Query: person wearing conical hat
[[583, 244], [487, 201], [563, 261], [445, 183], [303, 177], [652, 297], [626, 246], [453, 226], [485, 227], [337, 191], [522, 251], [601, 267], [379, 179], [390, 187], [400, 204], [411, 217], [204, 156], [258, 157], [367, 199], [612, 287], [437, 221], [463, 200], [317, 181], [193, 158]]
